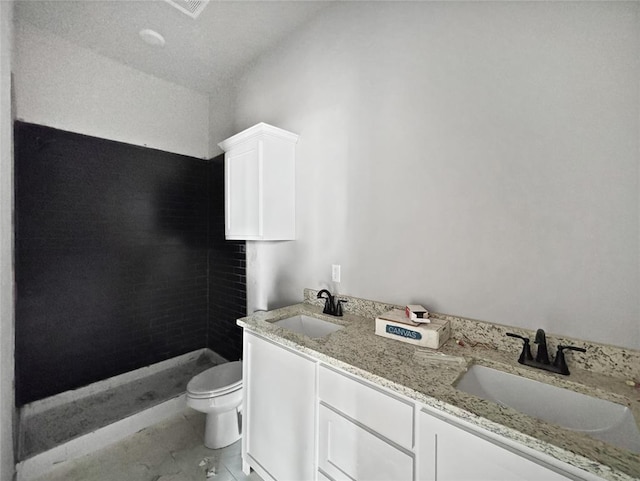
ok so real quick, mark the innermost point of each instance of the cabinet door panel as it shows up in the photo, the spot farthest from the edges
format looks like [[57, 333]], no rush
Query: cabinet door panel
[[243, 171], [449, 453], [279, 410], [348, 452]]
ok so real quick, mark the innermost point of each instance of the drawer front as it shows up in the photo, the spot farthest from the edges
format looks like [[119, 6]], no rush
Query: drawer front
[[384, 414], [348, 452], [322, 477]]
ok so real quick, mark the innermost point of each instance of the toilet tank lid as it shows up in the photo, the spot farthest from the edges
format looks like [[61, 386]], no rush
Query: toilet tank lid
[[220, 377]]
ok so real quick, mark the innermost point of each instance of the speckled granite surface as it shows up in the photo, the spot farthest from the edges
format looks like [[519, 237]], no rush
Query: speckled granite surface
[[392, 364]]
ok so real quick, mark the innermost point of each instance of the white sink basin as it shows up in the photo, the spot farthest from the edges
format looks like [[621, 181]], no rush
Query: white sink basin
[[600, 419], [308, 326]]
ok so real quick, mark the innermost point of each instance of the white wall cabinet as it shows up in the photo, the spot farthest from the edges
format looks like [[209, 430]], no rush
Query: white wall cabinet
[[278, 411], [259, 166]]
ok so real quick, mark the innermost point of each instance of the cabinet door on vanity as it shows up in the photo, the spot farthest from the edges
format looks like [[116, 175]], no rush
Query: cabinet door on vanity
[[446, 452], [279, 411]]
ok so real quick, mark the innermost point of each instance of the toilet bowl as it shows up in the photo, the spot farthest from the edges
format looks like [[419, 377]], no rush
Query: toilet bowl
[[217, 392]]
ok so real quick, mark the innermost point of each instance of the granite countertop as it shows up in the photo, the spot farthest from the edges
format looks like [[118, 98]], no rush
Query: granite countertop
[[393, 364]]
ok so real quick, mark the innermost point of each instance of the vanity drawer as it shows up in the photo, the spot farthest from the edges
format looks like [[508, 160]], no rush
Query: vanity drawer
[[383, 413], [322, 477], [348, 452]]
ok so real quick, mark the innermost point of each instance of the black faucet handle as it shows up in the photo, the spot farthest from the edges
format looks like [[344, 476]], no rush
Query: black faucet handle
[[525, 355], [339, 307], [572, 348], [560, 362], [511, 334]]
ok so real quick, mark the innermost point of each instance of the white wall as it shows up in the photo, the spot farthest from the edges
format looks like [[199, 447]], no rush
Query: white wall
[[70, 88], [478, 158], [221, 108], [6, 246]]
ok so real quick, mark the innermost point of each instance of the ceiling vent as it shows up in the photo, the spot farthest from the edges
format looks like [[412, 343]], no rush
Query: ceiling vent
[[193, 8]]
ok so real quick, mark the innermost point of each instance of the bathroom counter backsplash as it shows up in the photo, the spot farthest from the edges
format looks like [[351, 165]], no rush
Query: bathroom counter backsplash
[[599, 358], [428, 376]]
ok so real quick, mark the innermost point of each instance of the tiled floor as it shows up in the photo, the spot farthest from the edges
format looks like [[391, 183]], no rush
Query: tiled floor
[[170, 451]]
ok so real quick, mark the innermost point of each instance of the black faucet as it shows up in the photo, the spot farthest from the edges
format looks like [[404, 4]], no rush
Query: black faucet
[[541, 340], [542, 357], [332, 305]]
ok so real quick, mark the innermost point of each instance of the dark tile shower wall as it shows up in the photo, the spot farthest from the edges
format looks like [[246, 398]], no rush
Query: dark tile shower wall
[[227, 275], [112, 259]]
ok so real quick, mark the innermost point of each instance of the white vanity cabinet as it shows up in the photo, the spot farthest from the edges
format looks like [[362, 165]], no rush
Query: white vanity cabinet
[[278, 411], [259, 166], [447, 452], [363, 432], [306, 420]]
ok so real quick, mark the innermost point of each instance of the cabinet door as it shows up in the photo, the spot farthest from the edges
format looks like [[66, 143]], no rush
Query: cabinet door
[[449, 453], [243, 190], [279, 411], [347, 451]]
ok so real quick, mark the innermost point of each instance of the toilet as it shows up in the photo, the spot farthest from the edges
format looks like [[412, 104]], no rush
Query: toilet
[[217, 392]]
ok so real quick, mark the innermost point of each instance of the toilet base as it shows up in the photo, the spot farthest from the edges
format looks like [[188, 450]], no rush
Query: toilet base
[[222, 429]]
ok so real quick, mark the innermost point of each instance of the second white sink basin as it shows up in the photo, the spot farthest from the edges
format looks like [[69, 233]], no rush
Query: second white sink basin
[[598, 418], [308, 326]]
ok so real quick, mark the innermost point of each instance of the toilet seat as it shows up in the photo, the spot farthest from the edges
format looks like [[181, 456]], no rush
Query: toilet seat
[[212, 394], [216, 381]]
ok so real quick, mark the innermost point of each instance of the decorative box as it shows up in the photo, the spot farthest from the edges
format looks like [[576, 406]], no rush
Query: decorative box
[[396, 325]]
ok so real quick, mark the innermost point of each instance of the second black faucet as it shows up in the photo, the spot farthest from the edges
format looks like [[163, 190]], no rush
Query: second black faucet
[[542, 356]]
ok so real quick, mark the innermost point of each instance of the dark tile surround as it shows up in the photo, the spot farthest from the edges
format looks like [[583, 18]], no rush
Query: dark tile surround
[[120, 260], [227, 275]]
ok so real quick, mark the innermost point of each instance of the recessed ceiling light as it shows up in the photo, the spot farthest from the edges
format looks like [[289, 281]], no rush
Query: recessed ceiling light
[[152, 37]]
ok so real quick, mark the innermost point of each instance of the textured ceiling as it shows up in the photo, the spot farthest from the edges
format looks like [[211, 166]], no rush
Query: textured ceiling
[[201, 54]]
